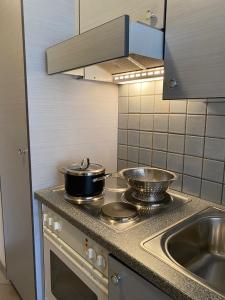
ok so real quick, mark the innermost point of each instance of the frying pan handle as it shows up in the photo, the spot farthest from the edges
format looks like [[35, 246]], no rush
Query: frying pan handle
[[102, 177]]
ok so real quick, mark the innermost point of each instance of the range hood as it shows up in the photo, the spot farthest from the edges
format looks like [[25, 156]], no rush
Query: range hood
[[118, 46]]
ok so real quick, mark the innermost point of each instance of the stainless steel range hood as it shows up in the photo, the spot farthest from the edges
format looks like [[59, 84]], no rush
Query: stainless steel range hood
[[118, 46]]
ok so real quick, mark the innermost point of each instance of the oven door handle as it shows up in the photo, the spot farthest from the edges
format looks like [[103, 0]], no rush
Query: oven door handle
[[77, 260]]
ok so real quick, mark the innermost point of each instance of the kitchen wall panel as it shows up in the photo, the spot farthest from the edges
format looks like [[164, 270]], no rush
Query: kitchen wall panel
[[103, 11], [184, 136], [68, 119]]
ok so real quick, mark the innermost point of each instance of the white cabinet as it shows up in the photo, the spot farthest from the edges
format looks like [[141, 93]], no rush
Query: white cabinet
[[14, 155], [2, 242], [194, 49], [96, 12], [125, 284]]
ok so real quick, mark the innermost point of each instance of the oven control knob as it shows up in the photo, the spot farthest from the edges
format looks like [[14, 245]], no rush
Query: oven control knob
[[57, 226], [91, 254], [100, 262], [50, 221]]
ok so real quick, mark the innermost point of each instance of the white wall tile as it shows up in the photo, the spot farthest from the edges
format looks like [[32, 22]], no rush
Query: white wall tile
[[133, 138], [148, 88], [175, 162], [194, 145], [147, 104], [145, 156], [161, 106], [133, 154], [134, 104], [213, 170], [216, 108], [160, 141], [123, 121], [161, 122], [133, 121], [123, 90], [122, 136], [159, 159], [158, 87], [195, 125], [196, 107], [123, 105], [191, 185], [145, 139], [177, 123], [193, 165], [146, 122], [215, 126], [214, 148], [177, 184], [131, 164], [211, 191], [121, 164], [122, 151], [176, 143], [184, 136], [135, 89], [178, 106]]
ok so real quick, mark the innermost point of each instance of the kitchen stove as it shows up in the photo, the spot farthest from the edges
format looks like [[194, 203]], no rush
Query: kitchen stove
[[120, 210]]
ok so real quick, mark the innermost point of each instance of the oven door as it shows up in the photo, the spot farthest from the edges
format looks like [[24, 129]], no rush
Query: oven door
[[68, 276]]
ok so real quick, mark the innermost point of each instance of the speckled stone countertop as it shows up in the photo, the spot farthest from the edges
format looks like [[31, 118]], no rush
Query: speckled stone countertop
[[126, 245]]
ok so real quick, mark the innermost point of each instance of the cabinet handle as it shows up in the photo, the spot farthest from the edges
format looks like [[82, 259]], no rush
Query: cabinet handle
[[172, 83], [115, 279], [22, 151]]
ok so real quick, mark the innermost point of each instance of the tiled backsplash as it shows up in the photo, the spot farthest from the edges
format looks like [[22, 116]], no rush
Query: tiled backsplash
[[187, 137]]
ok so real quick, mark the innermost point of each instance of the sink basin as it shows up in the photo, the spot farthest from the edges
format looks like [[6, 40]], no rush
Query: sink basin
[[195, 246]]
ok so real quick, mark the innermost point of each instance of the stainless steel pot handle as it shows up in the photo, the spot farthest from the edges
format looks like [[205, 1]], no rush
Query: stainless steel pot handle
[[102, 177], [62, 170]]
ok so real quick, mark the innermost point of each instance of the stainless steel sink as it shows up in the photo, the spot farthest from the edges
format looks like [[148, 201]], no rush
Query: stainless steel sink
[[196, 247]]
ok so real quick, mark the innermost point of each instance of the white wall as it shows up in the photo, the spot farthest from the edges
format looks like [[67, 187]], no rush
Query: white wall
[[68, 119]]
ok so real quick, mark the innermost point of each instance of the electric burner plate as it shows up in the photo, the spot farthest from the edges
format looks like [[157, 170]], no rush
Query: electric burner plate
[[129, 198], [83, 200], [119, 212]]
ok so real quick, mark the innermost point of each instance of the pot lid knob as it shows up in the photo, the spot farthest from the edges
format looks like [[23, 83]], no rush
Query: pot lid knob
[[85, 163]]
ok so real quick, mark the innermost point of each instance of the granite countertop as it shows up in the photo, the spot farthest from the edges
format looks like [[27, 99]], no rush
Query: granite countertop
[[126, 245]]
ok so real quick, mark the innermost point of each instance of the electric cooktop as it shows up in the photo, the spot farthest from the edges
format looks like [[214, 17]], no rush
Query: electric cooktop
[[119, 209]]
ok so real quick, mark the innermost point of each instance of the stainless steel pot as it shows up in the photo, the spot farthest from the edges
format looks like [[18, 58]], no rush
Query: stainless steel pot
[[84, 179], [148, 184]]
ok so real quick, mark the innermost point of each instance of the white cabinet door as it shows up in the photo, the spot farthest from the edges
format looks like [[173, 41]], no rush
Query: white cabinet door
[[14, 156], [96, 12], [194, 49], [125, 284], [2, 242]]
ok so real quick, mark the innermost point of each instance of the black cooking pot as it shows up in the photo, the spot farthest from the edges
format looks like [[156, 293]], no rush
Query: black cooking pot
[[85, 179]]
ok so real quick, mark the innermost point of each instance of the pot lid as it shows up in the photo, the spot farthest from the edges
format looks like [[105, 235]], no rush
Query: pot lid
[[85, 168]]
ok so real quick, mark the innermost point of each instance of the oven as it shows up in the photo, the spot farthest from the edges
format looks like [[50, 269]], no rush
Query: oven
[[68, 275]]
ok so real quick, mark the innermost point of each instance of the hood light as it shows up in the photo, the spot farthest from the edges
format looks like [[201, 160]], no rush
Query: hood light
[[139, 76]]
